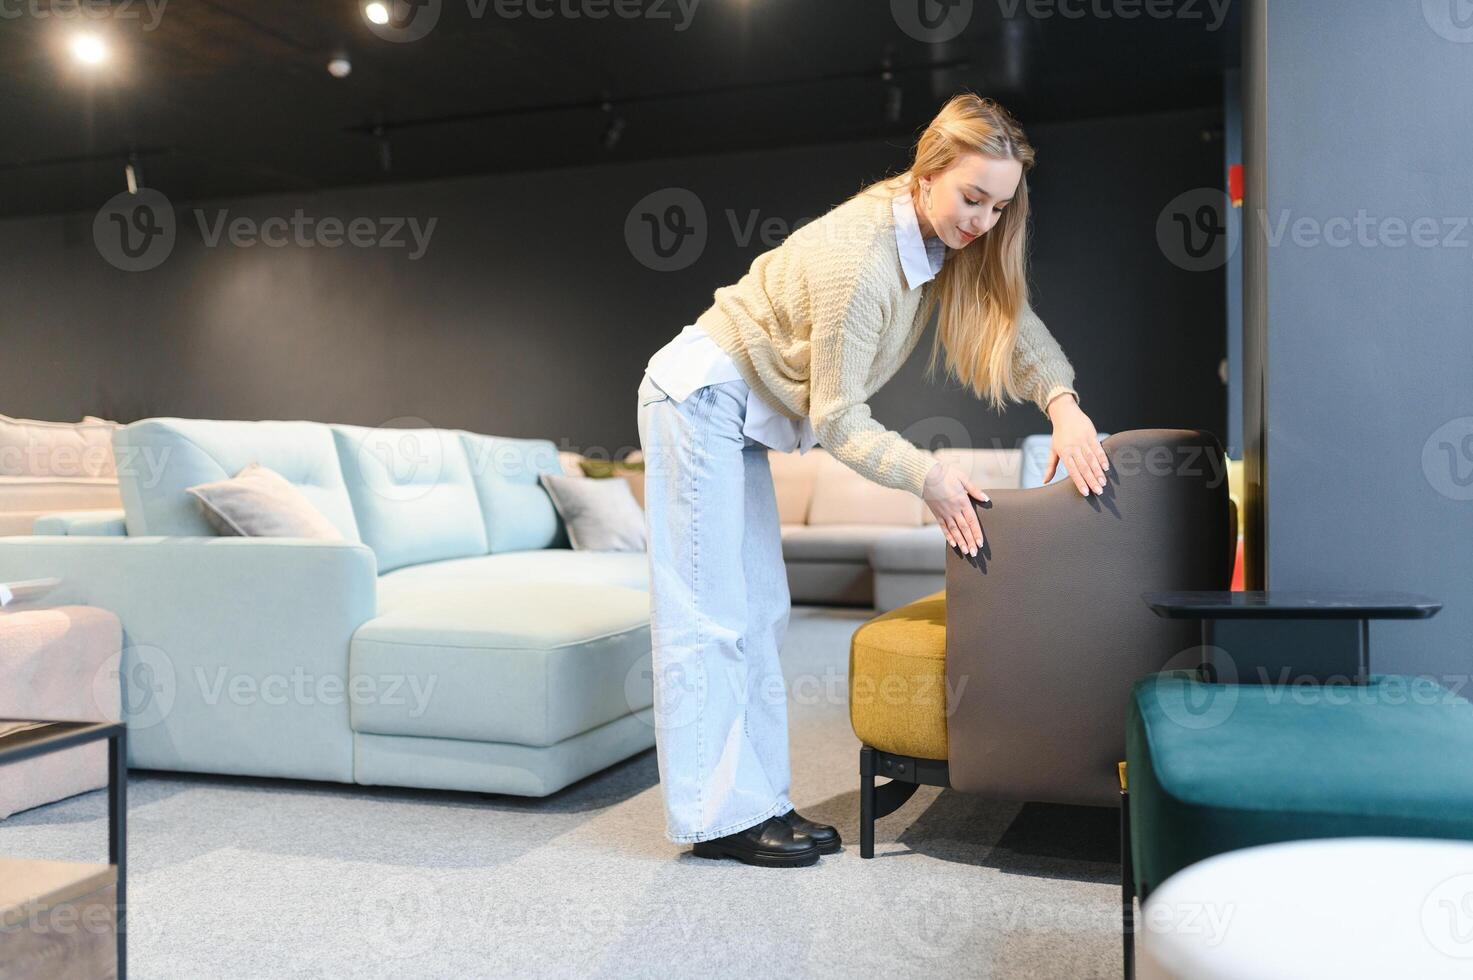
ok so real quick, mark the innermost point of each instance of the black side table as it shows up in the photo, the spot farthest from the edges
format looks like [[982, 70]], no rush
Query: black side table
[[53, 736], [1281, 635]]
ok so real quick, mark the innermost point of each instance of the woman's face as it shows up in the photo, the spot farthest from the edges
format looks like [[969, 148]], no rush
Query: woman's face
[[968, 199]]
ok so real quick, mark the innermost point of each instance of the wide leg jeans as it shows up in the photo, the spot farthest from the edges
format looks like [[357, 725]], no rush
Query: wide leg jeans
[[719, 607]]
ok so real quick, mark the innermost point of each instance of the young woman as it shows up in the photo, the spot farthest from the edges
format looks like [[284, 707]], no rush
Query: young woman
[[786, 359]]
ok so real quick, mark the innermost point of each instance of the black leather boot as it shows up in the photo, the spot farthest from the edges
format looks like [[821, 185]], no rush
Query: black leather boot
[[770, 844], [826, 837]]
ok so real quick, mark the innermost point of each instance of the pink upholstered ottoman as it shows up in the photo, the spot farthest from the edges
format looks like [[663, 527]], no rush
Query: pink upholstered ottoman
[[58, 663]]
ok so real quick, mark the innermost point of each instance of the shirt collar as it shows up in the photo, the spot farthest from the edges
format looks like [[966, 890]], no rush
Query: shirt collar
[[920, 259]]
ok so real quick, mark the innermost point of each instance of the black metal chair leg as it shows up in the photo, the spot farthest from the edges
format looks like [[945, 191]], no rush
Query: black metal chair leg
[[881, 801], [1127, 889], [117, 839], [866, 802]]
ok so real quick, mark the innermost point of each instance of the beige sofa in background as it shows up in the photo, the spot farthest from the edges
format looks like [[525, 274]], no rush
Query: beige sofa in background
[[54, 467], [847, 541]]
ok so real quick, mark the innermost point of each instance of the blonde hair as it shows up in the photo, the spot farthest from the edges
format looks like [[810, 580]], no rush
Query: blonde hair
[[981, 289]]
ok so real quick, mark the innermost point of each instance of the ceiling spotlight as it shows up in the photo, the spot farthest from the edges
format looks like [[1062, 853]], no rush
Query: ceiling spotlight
[[89, 49], [376, 12], [339, 67]]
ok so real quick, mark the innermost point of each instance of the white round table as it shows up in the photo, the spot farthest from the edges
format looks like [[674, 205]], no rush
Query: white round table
[[1349, 908]]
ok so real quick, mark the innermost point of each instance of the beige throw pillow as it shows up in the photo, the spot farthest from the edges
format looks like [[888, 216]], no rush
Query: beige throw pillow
[[260, 503], [600, 515]]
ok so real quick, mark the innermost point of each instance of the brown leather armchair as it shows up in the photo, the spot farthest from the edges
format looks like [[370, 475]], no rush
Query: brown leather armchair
[[1013, 681]]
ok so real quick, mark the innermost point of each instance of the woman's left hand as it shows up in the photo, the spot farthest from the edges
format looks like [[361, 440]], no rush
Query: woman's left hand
[[1076, 443]]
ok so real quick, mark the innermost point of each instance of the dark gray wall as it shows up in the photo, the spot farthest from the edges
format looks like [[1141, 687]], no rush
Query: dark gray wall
[[528, 315], [1370, 347]]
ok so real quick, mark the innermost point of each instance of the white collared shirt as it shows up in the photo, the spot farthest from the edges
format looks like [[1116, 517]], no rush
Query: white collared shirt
[[692, 360]]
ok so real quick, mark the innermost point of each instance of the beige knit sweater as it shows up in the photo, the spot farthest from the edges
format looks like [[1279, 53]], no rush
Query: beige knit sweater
[[819, 323]]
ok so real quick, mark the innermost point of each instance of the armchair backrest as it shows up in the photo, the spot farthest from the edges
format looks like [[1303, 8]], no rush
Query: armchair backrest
[[1046, 630]]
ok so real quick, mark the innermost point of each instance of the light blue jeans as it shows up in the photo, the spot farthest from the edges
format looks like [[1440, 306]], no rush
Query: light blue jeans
[[719, 608]]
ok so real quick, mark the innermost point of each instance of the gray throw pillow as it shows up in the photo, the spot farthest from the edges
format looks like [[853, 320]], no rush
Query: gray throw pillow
[[601, 515], [261, 503]]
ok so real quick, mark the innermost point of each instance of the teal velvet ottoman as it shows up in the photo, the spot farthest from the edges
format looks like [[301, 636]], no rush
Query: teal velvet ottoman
[[1217, 767]]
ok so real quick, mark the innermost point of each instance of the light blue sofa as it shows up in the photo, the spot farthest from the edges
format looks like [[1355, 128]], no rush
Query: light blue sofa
[[453, 640]]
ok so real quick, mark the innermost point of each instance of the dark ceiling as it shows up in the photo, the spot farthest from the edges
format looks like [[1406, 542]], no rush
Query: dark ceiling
[[225, 97]]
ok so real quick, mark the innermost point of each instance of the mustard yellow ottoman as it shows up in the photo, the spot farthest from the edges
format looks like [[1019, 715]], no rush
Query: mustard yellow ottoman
[[897, 706]]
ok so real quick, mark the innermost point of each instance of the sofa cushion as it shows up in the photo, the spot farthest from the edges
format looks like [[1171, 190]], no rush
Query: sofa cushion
[[515, 662], [412, 493], [630, 469], [599, 514], [792, 479], [81, 523], [53, 493], [842, 496], [625, 569], [990, 469], [833, 542], [259, 503], [897, 679], [57, 449], [518, 513], [602, 469], [1218, 767], [158, 458], [911, 549]]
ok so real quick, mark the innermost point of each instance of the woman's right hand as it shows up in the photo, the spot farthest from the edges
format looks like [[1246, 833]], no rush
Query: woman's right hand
[[949, 492]]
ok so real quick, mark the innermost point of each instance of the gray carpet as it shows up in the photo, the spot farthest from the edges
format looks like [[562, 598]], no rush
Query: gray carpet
[[233, 877]]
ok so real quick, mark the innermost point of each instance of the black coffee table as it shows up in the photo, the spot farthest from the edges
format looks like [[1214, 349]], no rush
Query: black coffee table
[[1322, 632], [41, 737]]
